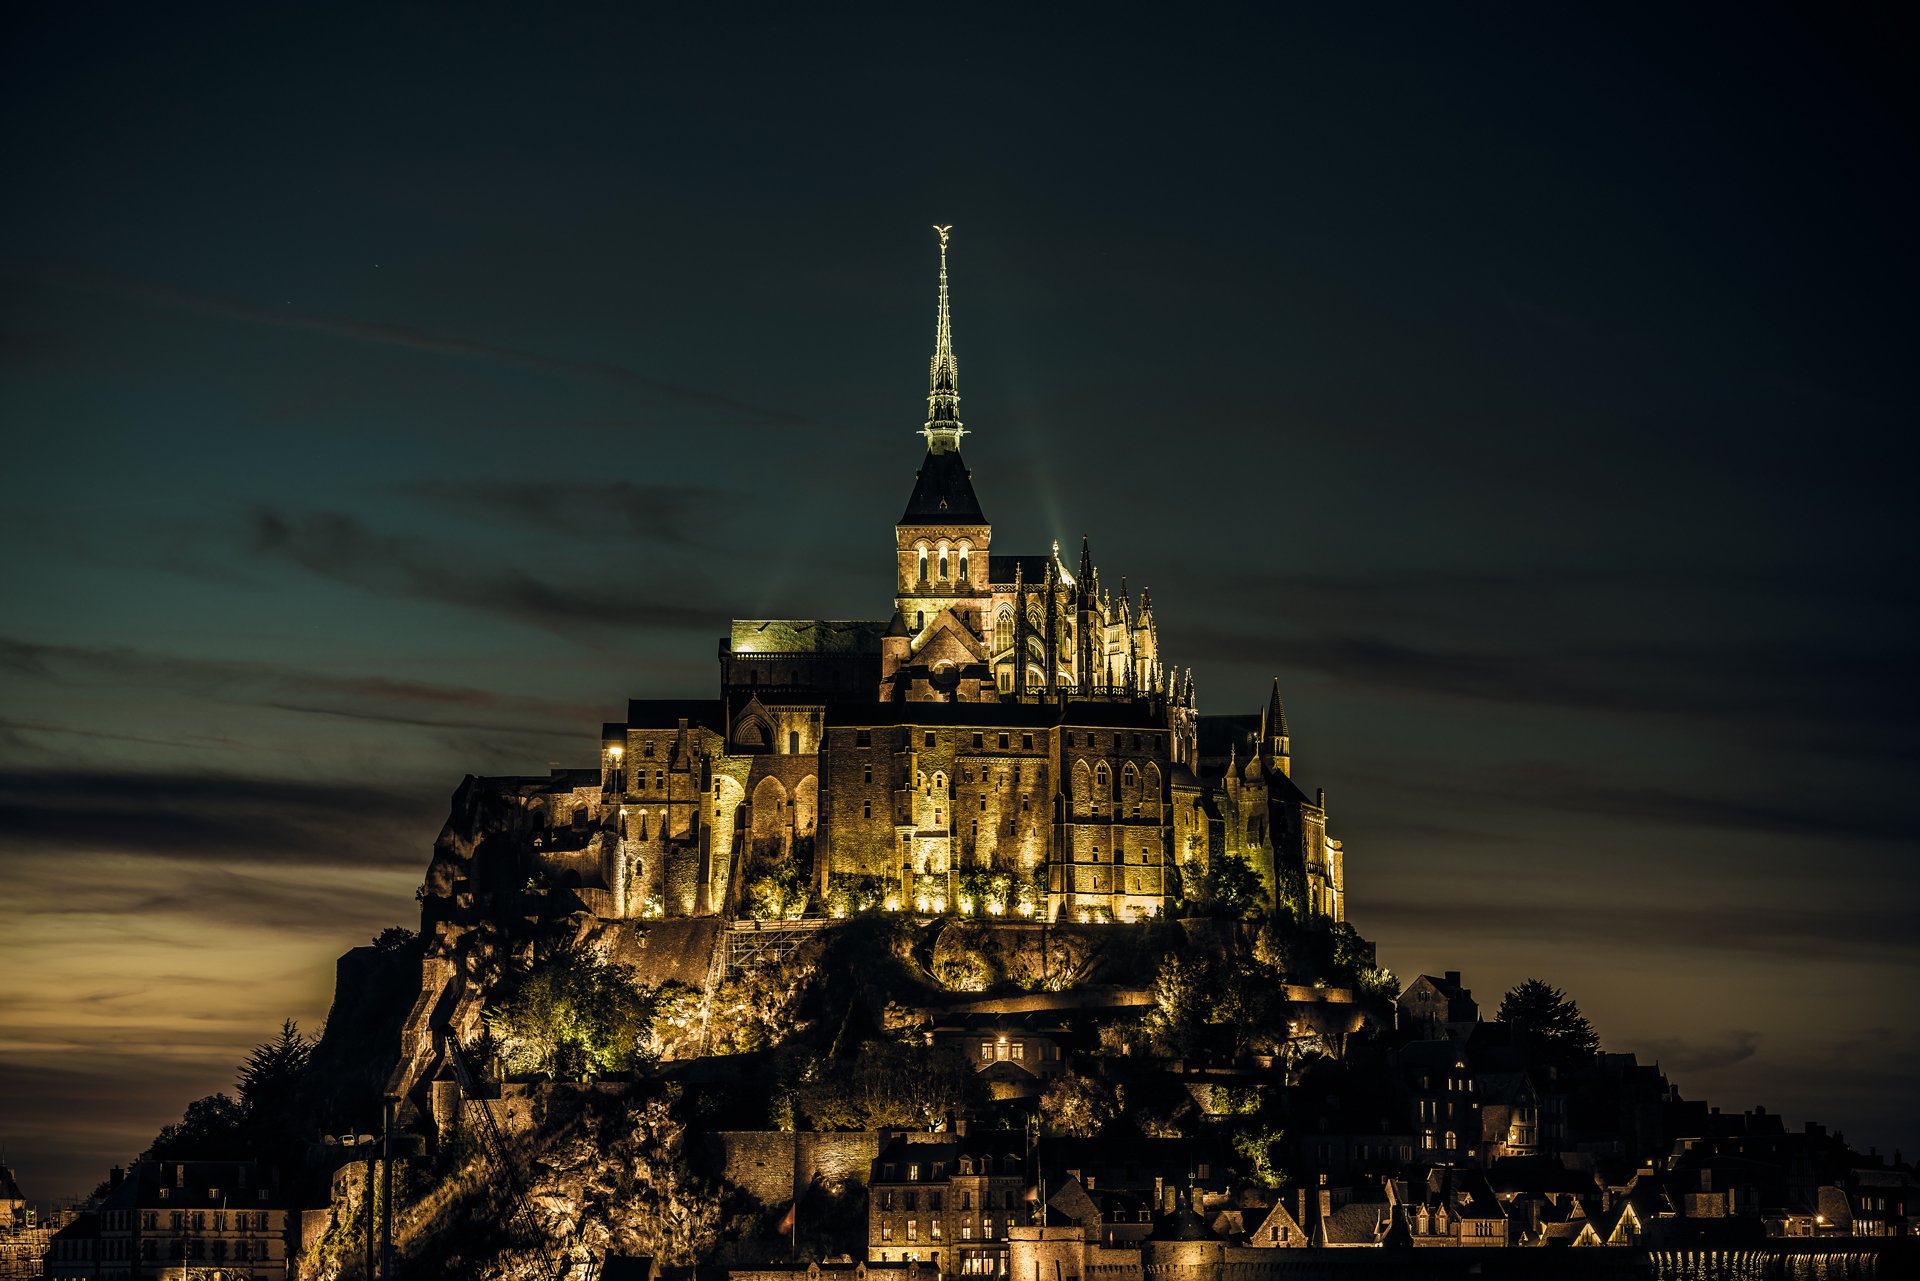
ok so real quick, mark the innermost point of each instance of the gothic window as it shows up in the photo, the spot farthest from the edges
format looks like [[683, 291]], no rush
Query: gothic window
[[1003, 630], [1102, 781]]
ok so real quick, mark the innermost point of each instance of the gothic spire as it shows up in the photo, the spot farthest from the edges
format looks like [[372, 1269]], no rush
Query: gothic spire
[[943, 430], [1273, 717]]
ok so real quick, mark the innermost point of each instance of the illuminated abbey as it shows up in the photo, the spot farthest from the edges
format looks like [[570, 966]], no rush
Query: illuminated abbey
[[1007, 741]]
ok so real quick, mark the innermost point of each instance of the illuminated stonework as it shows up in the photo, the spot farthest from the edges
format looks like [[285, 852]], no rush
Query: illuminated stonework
[[1010, 742]]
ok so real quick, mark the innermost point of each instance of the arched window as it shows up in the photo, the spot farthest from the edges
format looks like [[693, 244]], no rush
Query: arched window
[[1003, 631], [1129, 779], [923, 564], [943, 562], [963, 563], [1102, 782]]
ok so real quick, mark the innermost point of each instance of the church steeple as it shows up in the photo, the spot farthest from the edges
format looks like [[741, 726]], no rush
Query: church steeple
[[943, 430]]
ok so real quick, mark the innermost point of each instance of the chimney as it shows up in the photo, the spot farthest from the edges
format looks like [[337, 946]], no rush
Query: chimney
[[1453, 978]]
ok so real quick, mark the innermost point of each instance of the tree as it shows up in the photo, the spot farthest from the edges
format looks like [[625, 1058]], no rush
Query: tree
[[1185, 992], [1231, 886], [272, 1091], [1077, 1106], [574, 1013], [211, 1129], [1551, 1022], [889, 1085], [1261, 1148]]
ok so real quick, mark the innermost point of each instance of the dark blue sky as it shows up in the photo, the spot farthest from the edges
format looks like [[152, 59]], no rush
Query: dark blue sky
[[390, 393]]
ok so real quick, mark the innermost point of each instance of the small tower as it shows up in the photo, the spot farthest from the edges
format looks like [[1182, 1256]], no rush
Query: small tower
[[1275, 743]]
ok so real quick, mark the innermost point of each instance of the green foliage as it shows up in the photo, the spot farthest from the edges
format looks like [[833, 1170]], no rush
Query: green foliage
[[1201, 1005], [851, 893], [1078, 1106], [273, 1091], [1184, 993], [1261, 1149], [574, 1013], [988, 892], [1232, 888], [889, 1084], [1351, 953], [212, 1129], [1553, 1024], [395, 938], [757, 1007], [1380, 984], [779, 888], [964, 973]]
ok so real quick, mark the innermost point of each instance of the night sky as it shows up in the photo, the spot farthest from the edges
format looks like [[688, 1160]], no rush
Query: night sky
[[388, 395]]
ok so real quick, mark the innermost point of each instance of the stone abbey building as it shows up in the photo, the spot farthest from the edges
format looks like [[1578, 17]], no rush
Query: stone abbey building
[[1008, 740]]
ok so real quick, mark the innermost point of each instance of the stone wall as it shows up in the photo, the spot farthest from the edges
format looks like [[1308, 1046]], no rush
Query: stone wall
[[775, 1166]]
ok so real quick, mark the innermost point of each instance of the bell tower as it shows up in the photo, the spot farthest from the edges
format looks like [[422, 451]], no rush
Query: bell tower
[[941, 591]]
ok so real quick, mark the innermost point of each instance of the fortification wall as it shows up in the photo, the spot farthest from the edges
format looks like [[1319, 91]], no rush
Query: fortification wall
[[775, 1166]]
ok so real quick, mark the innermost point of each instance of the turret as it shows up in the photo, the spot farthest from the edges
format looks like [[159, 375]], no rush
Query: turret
[[1274, 739]]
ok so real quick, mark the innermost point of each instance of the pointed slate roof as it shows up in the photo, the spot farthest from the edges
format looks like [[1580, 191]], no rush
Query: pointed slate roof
[[1273, 720], [943, 493]]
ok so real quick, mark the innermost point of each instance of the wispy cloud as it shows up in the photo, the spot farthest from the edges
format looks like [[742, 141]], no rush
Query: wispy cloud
[[1702, 1053], [1882, 933], [342, 549], [672, 514], [206, 814], [360, 697], [404, 337]]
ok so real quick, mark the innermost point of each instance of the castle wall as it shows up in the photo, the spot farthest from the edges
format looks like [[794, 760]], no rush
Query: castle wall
[[776, 1166]]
